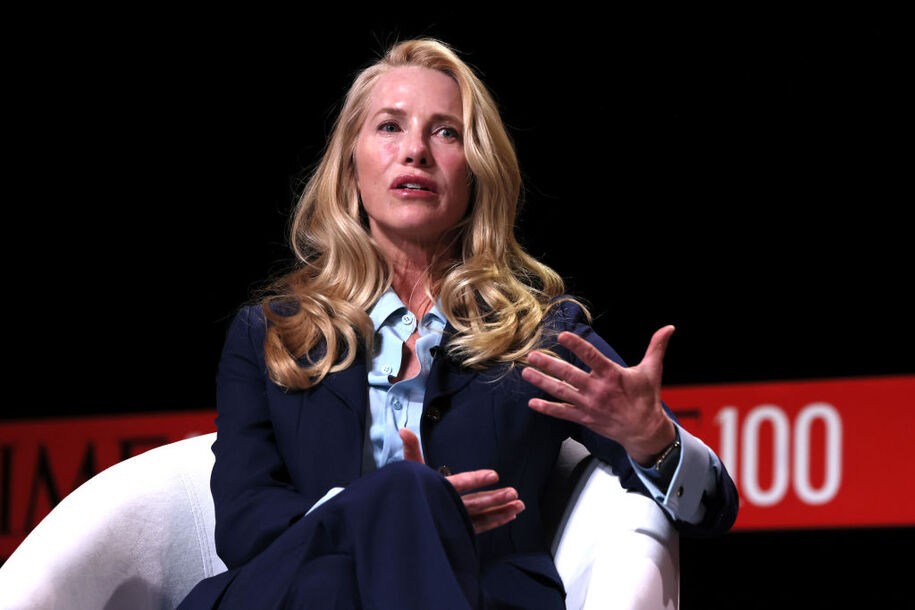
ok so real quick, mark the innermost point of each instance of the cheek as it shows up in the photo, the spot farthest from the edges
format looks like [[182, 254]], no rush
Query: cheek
[[371, 158], [463, 194], [459, 176], [381, 155]]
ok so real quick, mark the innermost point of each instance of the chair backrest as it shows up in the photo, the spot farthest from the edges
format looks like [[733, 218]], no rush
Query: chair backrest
[[139, 535]]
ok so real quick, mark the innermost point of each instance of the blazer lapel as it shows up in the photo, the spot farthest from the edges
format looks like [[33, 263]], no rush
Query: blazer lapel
[[446, 376], [351, 387]]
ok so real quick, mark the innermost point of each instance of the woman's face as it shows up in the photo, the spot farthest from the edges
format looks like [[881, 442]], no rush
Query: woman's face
[[410, 166]]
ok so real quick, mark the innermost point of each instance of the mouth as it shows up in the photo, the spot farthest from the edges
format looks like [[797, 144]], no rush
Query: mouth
[[413, 184]]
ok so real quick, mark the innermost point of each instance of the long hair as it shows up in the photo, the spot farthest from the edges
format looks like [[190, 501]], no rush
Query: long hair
[[492, 292]]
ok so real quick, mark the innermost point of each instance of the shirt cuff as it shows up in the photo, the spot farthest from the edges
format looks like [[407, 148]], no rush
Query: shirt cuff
[[695, 474]]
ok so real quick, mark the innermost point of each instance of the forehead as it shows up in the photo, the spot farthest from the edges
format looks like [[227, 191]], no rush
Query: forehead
[[407, 87]]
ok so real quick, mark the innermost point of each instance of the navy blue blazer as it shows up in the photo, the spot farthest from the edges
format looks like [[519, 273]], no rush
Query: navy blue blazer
[[277, 451]]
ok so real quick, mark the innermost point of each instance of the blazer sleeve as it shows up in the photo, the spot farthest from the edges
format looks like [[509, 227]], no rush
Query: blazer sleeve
[[253, 496]]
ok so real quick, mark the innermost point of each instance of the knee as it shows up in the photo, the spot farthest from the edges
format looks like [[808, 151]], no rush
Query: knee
[[412, 479], [407, 474]]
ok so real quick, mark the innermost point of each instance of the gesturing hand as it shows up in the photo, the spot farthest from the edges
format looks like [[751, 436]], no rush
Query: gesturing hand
[[487, 509], [622, 403]]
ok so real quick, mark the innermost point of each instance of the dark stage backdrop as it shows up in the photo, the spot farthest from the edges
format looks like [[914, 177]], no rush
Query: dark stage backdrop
[[743, 176]]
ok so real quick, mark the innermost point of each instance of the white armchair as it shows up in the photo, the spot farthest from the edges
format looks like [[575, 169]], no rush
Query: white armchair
[[139, 535]]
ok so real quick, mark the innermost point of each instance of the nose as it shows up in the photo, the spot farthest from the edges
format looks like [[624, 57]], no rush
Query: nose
[[417, 153]]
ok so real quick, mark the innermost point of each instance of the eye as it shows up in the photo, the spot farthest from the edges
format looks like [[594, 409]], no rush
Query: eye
[[389, 127], [449, 133]]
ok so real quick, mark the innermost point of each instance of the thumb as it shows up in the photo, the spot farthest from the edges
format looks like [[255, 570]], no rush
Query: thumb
[[411, 450], [657, 347]]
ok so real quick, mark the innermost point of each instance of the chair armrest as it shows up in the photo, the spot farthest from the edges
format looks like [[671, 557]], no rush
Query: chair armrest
[[614, 548]]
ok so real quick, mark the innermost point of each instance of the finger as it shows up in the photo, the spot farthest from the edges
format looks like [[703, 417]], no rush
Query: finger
[[556, 409], [472, 480], [496, 517], [590, 355], [411, 449], [482, 501], [558, 369], [657, 347], [558, 388]]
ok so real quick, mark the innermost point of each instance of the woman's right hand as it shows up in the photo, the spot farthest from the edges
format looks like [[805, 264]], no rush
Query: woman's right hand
[[488, 509]]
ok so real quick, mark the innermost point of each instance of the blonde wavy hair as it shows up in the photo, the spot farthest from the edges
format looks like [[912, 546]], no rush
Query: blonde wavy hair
[[493, 292]]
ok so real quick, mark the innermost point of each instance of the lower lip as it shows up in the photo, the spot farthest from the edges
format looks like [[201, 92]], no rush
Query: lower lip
[[413, 193]]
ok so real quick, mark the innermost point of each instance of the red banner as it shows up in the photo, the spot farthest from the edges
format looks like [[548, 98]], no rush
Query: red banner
[[804, 454], [811, 454], [41, 461]]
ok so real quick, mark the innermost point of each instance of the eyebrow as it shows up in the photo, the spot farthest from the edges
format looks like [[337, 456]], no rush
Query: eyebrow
[[436, 118]]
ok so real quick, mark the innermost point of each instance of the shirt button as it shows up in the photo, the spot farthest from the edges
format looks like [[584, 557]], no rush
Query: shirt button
[[407, 319], [387, 369], [396, 404]]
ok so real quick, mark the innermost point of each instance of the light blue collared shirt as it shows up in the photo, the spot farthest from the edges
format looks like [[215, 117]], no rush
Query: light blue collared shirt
[[393, 406]]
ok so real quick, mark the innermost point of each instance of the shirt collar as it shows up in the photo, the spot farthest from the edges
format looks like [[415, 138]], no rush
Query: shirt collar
[[389, 304], [436, 312]]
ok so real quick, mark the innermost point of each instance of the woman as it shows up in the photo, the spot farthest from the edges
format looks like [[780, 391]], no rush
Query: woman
[[389, 412]]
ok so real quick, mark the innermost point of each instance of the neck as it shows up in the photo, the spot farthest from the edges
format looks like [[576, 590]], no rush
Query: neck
[[411, 287], [414, 271]]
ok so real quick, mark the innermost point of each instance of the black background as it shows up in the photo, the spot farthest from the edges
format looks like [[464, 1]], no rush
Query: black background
[[745, 176]]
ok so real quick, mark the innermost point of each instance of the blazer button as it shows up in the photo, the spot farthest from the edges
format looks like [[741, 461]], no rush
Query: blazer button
[[433, 414], [444, 471]]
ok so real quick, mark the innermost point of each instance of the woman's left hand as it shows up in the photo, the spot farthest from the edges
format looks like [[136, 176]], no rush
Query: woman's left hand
[[621, 403]]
